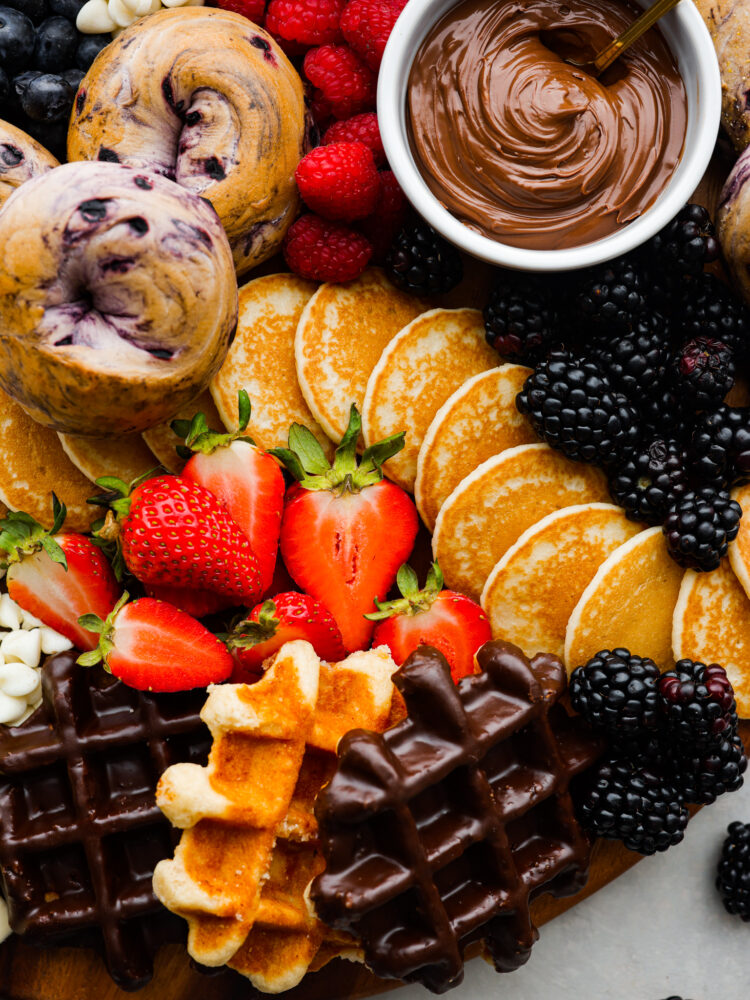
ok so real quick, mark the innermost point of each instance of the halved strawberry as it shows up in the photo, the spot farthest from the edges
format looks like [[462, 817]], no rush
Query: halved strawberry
[[345, 529], [270, 624], [247, 480], [449, 621], [175, 533], [154, 646], [56, 576]]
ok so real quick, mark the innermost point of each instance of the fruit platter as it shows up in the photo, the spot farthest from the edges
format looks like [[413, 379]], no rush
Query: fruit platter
[[375, 422]]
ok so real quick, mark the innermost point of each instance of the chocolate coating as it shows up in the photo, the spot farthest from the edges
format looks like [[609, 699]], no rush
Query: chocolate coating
[[529, 150], [80, 831], [439, 832]]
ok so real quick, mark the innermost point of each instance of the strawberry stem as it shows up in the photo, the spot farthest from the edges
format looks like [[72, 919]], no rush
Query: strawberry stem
[[105, 629], [248, 633], [199, 437], [413, 601], [22, 535]]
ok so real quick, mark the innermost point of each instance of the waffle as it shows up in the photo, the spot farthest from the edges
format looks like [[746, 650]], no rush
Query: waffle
[[80, 832], [440, 832], [250, 847]]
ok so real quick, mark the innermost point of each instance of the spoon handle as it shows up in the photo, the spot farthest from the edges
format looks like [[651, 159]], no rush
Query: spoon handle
[[636, 29]]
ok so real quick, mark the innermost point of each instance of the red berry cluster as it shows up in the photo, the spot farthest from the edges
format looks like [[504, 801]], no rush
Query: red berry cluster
[[338, 45]]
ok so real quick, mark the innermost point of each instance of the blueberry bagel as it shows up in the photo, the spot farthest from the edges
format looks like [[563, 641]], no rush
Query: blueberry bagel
[[21, 158], [118, 298], [208, 99]]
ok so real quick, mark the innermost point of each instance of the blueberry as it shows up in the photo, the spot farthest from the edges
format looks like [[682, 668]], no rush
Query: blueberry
[[47, 98], [89, 48], [66, 8], [16, 41], [36, 10], [56, 44], [73, 76]]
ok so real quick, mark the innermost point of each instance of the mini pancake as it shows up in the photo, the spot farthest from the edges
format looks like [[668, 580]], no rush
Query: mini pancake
[[261, 360], [125, 457], [417, 372], [491, 508], [341, 334], [163, 441], [630, 602], [479, 420], [33, 465], [532, 591], [712, 625], [739, 550]]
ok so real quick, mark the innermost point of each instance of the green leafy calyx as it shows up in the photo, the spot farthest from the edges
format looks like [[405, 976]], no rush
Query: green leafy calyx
[[199, 437], [21, 535], [248, 633], [413, 601], [105, 629]]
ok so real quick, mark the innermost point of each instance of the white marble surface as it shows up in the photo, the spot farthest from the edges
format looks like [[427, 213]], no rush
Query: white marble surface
[[658, 930]]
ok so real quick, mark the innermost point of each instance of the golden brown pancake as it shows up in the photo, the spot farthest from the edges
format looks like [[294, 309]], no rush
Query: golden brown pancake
[[125, 457], [417, 372], [163, 441], [341, 334], [712, 625], [532, 591], [33, 465], [478, 421], [492, 507], [261, 360], [630, 602]]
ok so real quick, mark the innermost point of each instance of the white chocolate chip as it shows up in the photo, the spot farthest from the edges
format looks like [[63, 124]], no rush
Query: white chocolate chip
[[94, 18], [120, 13], [10, 613], [53, 642], [29, 621], [23, 646], [18, 681], [12, 710], [98, 16]]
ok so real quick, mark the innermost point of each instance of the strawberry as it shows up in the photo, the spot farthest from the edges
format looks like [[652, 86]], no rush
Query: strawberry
[[197, 603], [246, 479], [56, 576], [153, 646], [176, 533], [345, 529], [450, 622], [270, 624]]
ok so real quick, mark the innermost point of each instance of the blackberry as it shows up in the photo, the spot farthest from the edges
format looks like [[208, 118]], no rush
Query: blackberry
[[572, 405], [703, 371], [616, 692], [720, 450], [664, 414], [632, 801], [686, 243], [697, 702], [710, 309], [611, 296], [650, 480], [520, 320], [420, 261], [700, 526], [635, 361], [733, 877], [703, 776]]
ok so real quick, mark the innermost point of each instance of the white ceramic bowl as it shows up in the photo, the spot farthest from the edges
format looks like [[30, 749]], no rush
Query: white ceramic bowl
[[689, 41]]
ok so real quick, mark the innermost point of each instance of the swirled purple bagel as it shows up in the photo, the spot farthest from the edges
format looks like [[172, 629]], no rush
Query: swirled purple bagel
[[21, 158], [208, 99], [118, 298]]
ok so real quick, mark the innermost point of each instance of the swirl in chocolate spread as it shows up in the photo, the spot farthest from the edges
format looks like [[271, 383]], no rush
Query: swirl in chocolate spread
[[529, 150]]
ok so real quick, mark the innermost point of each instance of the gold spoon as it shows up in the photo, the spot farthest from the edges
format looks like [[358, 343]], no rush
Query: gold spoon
[[597, 65]]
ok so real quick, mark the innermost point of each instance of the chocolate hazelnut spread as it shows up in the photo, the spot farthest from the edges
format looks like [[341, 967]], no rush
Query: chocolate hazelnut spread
[[529, 150]]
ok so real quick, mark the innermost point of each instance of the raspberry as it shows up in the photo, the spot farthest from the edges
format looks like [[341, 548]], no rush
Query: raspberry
[[339, 181], [367, 25], [306, 22], [346, 83], [383, 226], [361, 128], [320, 250], [253, 10]]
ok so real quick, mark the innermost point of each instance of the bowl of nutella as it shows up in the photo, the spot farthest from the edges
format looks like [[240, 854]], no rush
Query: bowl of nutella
[[524, 159]]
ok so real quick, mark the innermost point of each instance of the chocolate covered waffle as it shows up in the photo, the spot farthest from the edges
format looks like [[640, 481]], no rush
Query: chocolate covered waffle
[[80, 831], [250, 846], [438, 833]]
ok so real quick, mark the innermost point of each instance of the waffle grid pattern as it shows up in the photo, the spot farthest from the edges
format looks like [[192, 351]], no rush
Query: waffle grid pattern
[[441, 831], [80, 831]]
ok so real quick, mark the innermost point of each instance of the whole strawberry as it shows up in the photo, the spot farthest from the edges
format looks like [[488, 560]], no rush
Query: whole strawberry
[[246, 479], [153, 646], [174, 532], [367, 25], [321, 250], [339, 181], [343, 80], [305, 22], [56, 576], [283, 618], [345, 529], [449, 621], [359, 128]]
